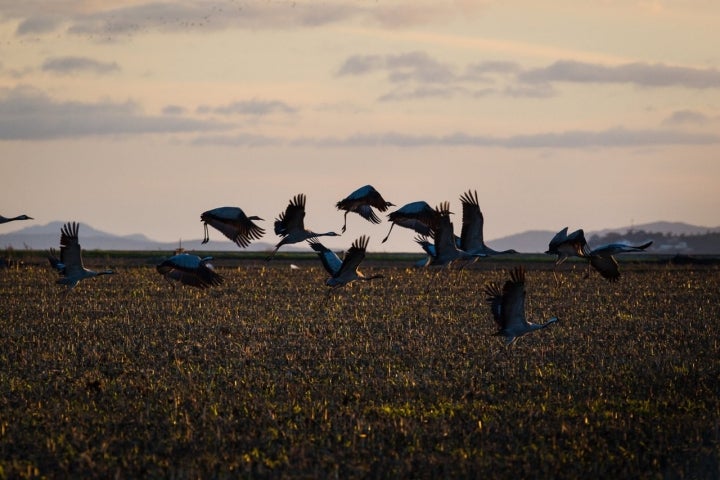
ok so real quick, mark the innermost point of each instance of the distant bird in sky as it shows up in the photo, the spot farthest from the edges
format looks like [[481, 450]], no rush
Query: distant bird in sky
[[417, 216], [12, 219], [189, 270], [234, 224], [471, 236], [346, 270], [445, 247], [290, 225], [508, 307], [70, 264], [603, 258], [361, 202]]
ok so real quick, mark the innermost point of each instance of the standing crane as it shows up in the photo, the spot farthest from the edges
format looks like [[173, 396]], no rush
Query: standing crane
[[234, 224], [12, 219], [471, 236], [346, 270], [418, 216], [508, 307], [361, 202], [189, 270], [70, 264], [290, 225]]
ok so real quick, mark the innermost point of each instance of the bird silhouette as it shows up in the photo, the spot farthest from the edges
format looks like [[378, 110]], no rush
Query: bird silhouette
[[564, 245], [189, 270], [234, 224], [446, 251], [12, 219], [508, 307], [603, 258], [346, 270], [471, 236], [290, 225], [417, 216], [70, 264], [361, 202]]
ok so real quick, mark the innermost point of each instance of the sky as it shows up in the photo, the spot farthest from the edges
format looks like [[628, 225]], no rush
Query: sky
[[136, 116]]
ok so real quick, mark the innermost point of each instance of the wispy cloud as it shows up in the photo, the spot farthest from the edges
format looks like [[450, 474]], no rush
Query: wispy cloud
[[576, 139], [97, 19], [249, 107], [614, 137], [69, 65], [690, 117], [27, 113], [642, 74], [417, 75]]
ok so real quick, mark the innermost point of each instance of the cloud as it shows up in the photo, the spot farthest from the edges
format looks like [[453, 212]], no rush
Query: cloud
[[27, 113], [238, 140], [642, 74], [413, 66], [95, 18], [249, 107], [67, 65], [689, 117], [576, 139]]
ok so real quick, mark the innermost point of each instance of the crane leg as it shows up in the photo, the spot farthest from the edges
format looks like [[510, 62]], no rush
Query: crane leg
[[207, 236], [388, 234], [344, 222]]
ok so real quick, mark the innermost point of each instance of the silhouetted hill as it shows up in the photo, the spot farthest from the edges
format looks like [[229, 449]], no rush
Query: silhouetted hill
[[668, 237]]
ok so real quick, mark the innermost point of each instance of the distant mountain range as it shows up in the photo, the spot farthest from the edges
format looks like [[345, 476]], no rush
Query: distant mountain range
[[41, 237]]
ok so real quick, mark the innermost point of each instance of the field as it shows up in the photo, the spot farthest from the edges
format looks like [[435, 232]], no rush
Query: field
[[271, 376]]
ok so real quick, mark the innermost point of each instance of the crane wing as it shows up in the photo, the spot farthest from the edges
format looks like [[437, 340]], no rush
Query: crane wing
[[329, 259], [471, 235], [70, 252], [513, 299], [353, 257], [293, 218], [607, 266]]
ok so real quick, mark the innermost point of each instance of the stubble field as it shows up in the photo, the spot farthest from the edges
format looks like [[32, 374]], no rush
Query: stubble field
[[269, 376]]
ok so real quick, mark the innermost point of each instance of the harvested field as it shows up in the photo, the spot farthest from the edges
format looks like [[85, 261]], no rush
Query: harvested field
[[271, 376]]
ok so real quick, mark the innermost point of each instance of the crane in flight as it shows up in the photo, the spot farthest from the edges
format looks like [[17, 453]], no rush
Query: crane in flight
[[346, 270], [12, 219], [417, 216], [234, 224], [189, 270], [508, 307], [472, 239], [362, 201], [290, 225], [70, 264]]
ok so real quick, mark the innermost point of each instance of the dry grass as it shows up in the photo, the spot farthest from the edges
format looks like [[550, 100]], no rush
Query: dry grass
[[270, 376]]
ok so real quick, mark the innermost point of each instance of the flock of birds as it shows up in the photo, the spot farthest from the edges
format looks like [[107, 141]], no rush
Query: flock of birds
[[434, 233]]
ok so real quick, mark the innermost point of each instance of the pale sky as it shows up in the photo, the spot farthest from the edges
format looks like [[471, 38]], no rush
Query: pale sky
[[137, 116]]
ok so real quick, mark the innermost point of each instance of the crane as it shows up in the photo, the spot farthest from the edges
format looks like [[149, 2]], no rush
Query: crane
[[361, 202], [446, 251], [471, 235], [603, 258], [189, 270], [418, 216], [290, 225], [346, 270], [508, 307], [12, 219], [70, 264], [234, 224], [564, 245]]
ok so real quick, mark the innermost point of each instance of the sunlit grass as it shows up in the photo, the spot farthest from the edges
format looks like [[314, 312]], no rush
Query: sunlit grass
[[271, 375]]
